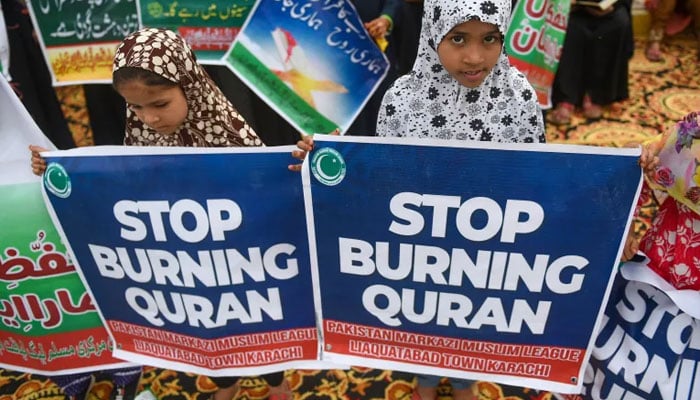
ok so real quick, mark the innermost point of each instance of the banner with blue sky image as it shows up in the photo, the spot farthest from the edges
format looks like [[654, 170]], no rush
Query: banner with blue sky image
[[311, 61]]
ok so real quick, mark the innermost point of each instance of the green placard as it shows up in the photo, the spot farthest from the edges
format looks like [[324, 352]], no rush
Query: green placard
[[534, 41], [88, 21], [209, 27], [42, 293]]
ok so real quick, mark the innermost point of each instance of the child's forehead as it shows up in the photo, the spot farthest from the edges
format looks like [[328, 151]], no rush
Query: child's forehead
[[442, 16], [474, 25]]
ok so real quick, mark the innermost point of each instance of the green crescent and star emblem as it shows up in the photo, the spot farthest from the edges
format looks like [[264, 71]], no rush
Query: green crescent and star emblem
[[328, 166], [57, 181]]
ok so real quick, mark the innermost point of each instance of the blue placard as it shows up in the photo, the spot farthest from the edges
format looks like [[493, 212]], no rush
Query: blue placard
[[480, 251], [201, 252], [646, 349]]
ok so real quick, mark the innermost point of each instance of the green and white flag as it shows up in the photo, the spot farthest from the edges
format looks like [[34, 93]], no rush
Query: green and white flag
[[534, 41], [49, 324], [4, 48]]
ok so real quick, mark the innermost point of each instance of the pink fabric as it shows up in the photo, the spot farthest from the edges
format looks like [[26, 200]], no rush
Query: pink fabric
[[672, 243]]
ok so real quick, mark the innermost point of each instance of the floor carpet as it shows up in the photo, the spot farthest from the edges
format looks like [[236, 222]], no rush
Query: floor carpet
[[660, 93]]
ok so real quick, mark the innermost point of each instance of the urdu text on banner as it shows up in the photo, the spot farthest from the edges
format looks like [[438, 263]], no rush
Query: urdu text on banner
[[79, 38], [478, 261], [312, 61], [534, 42], [197, 258], [209, 27], [49, 322]]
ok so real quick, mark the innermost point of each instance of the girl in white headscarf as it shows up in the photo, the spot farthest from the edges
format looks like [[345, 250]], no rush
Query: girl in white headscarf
[[462, 85]]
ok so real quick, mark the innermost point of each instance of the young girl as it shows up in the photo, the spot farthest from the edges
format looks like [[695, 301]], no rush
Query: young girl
[[172, 101], [462, 86]]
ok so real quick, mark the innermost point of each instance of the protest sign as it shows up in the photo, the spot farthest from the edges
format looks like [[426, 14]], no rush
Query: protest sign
[[197, 258], [79, 38], [470, 260], [647, 348], [534, 42], [209, 27], [313, 62], [49, 324]]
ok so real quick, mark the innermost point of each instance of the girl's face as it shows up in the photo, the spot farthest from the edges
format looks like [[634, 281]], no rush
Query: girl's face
[[470, 50], [162, 108]]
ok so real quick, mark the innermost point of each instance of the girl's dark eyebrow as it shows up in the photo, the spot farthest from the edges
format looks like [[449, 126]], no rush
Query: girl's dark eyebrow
[[157, 101], [458, 32]]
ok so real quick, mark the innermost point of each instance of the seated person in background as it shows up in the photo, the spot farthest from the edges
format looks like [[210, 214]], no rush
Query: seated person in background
[[670, 17], [594, 63], [380, 17]]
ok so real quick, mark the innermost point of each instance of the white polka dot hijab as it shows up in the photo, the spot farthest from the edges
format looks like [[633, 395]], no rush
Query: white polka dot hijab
[[211, 121], [428, 102]]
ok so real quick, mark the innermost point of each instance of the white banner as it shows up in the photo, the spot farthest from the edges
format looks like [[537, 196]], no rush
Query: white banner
[[17, 131]]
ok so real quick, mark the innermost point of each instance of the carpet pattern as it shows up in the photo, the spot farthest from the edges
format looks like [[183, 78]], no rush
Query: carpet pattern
[[660, 94], [353, 384]]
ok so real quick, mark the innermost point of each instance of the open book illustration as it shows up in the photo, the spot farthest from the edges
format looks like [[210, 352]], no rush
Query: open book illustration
[[603, 5]]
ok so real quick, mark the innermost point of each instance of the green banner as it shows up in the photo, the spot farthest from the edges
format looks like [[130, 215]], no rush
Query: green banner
[[79, 37], [208, 26], [72, 22], [49, 322], [534, 42]]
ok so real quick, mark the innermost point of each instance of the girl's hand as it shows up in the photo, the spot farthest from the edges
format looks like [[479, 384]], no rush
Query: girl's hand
[[38, 162], [305, 145], [649, 159], [631, 245], [378, 27]]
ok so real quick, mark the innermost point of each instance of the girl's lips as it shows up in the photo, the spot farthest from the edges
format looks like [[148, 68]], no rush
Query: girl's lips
[[162, 129], [473, 75]]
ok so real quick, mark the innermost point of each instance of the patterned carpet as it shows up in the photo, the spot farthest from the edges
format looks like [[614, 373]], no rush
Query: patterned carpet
[[661, 93]]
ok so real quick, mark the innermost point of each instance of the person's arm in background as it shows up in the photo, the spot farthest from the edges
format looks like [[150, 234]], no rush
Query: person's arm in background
[[383, 23], [392, 10]]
